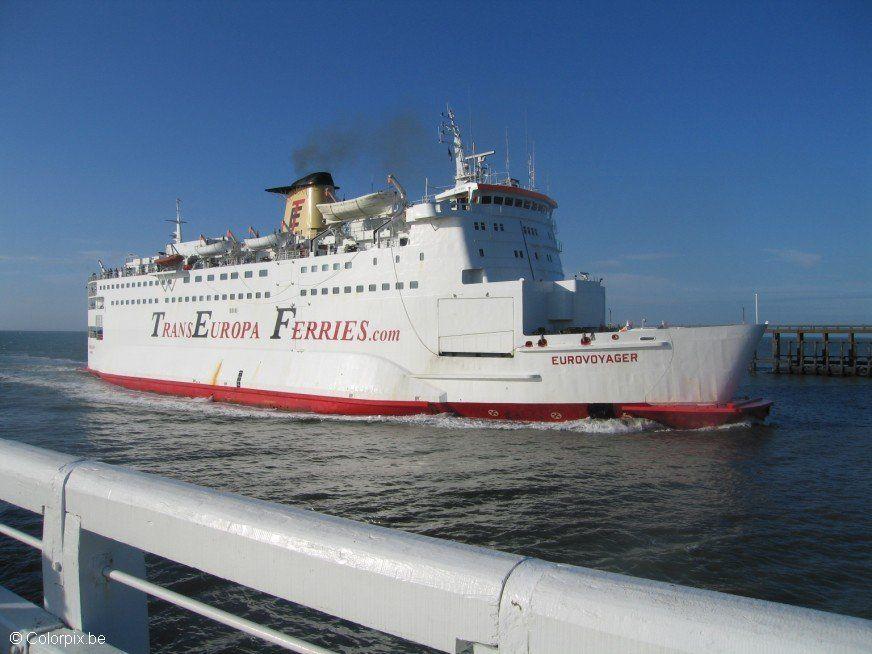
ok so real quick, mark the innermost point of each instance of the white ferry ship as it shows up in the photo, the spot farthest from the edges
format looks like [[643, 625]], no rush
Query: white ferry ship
[[380, 306]]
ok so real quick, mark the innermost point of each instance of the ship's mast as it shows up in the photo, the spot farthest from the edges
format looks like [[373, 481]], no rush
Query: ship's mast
[[450, 129], [178, 222], [467, 168]]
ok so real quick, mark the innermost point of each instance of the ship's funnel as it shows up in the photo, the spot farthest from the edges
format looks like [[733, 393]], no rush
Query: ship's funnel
[[302, 216]]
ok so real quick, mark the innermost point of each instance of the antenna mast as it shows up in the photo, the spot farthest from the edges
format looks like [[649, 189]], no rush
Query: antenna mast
[[508, 174], [451, 129], [467, 168], [531, 166], [178, 222]]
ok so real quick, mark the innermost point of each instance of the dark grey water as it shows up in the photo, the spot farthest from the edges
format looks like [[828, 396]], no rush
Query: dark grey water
[[778, 512]]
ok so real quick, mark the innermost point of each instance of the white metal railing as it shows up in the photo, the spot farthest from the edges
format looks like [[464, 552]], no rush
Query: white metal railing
[[100, 519]]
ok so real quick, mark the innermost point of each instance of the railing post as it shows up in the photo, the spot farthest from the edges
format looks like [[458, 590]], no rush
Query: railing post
[[74, 587]]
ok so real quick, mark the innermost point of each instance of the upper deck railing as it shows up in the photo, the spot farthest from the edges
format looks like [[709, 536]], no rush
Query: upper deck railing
[[99, 519]]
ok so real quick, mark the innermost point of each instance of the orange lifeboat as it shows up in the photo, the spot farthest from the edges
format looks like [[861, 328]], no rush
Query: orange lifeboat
[[169, 261]]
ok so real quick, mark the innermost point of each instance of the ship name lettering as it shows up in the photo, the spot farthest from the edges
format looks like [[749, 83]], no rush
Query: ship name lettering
[[338, 330], [281, 321], [200, 327], [157, 315], [204, 327], [576, 359]]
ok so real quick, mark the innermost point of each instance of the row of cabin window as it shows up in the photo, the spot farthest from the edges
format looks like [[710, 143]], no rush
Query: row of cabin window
[[149, 282], [519, 254], [248, 274], [516, 202], [357, 289], [498, 227], [194, 298], [325, 267]]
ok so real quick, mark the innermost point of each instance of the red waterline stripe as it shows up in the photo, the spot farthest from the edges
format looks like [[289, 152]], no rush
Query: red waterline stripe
[[347, 405], [676, 415]]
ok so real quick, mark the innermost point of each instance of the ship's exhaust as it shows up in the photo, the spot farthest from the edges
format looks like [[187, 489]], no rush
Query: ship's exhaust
[[303, 196]]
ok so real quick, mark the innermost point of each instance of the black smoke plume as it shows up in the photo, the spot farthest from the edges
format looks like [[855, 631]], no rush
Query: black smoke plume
[[400, 144]]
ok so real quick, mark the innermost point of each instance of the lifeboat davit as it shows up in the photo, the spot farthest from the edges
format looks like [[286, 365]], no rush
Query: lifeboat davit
[[169, 261], [366, 206]]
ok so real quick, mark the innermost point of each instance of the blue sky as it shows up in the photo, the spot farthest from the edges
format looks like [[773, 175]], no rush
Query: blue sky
[[698, 151]]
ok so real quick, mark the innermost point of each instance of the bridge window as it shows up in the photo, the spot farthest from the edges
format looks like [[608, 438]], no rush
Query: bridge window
[[335, 290], [266, 294], [386, 287], [263, 272], [234, 275], [335, 266], [348, 264], [358, 289], [233, 296], [519, 202], [210, 278], [486, 199], [498, 199], [347, 289], [224, 296], [303, 269], [372, 287], [325, 290], [420, 256], [223, 276], [303, 292], [399, 286], [472, 276], [413, 284], [249, 274]]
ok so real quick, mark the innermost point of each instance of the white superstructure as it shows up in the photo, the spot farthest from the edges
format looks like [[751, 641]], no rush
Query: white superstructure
[[375, 305]]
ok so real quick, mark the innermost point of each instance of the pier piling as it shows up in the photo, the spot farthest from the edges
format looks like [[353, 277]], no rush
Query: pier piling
[[815, 350]]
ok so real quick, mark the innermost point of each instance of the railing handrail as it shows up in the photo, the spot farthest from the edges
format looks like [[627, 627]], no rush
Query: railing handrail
[[438, 593]]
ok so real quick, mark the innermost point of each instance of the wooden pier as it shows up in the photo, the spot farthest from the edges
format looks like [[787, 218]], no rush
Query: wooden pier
[[829, 350]]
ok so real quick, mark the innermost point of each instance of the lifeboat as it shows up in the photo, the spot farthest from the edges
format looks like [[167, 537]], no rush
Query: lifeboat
[[169, 261], [263, 242], [214, 249], [366, 206]]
